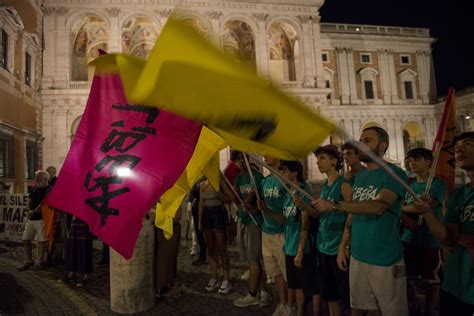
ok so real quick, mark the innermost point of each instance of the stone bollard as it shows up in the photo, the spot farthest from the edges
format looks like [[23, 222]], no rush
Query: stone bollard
[[132, 281]]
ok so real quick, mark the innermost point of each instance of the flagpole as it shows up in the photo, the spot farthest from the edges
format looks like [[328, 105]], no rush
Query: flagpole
[[379, 161], [238, 196], [254, 182], [282, 178]]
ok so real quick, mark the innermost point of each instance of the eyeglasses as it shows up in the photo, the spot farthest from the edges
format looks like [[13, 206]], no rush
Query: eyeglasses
[[283, 169]]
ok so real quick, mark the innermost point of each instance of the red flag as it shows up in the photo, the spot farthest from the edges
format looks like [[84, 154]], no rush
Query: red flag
[[443, 145]]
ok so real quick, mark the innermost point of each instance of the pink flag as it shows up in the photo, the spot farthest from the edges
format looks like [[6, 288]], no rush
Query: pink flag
[[122, 159]]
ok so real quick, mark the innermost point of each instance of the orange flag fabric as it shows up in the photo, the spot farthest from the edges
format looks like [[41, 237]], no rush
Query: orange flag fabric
[[444, 142], [49, 219]]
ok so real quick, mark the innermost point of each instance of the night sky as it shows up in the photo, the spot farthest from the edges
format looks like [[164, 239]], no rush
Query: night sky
[[450, 22]]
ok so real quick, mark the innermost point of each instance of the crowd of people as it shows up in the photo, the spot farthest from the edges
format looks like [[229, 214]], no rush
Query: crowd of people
[[362, 244]]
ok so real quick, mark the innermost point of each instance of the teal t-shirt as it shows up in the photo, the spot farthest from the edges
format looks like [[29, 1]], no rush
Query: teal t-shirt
[[375, 239], [274, 197], [459, 269], [243, 184], [293, 223], [331, 224], [423, 237]]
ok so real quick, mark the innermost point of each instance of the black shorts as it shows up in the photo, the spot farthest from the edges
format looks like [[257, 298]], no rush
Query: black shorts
[[305, 278], [215, 218], [451, 305], [423, 262], [334, 283]]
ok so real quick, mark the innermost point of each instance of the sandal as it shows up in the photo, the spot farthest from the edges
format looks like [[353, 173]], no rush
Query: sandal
[[66, 279], [82, 282]]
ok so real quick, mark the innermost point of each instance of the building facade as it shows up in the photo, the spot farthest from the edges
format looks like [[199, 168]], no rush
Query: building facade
[[357, 75], [20, 97]]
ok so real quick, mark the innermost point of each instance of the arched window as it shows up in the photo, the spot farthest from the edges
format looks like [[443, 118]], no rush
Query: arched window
[[88, 35], [368, 77], [139, 35], [285, 60], [408, 87], [329, 81], [239, 40]]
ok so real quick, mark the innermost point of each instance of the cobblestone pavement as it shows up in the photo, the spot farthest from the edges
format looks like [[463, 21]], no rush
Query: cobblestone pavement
[[38, 292]]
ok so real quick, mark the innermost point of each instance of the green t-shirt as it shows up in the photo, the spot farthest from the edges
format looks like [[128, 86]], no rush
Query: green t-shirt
[[331, 224], [375, 239], [459, 270], [293, 223], [423, 237], [274, 197], [243, 185]]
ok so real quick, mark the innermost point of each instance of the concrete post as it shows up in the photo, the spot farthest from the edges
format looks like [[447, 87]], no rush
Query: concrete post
[[132, 281]]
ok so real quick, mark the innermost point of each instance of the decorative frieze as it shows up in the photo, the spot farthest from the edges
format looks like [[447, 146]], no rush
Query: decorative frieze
[[213, 14], [113, 12]]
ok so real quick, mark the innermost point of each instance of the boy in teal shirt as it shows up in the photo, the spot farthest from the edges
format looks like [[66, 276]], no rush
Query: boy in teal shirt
[[301, 273], [333, 281], [377, 279], [273, 234], [457, 232], [250, 237], [422, 254]]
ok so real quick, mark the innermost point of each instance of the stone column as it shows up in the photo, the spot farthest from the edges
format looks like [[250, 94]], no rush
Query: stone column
[[317, 53], [49, 51], [393, 77], [307, 50], [163, 14], [61, 77], [115, 38], [352, 76], [422, 59], [215, 35], [132, 281], [343, 74], [261, 45], [385, 76]]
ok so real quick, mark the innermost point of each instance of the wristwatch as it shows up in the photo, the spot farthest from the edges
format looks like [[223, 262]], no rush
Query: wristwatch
[[336, 206]]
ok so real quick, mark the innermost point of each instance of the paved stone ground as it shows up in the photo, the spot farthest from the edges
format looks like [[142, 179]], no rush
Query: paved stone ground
[[38, 293]]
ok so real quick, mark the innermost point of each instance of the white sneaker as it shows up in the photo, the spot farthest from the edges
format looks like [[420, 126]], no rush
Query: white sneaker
[[290, 310], [212, 285], [247, 300], [225, 288], [270, 280], [265, 299], [245, 276], [278, 310]]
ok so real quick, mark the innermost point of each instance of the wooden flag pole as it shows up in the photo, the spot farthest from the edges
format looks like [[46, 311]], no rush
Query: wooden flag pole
[[281, 178], [254, 182], [238, 197]]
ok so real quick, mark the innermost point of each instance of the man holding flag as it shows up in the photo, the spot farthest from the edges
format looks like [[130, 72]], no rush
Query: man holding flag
[[377, 279], [422, 250], [457, 231]]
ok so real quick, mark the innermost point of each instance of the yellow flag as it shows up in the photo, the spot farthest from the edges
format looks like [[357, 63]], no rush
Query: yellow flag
[[204, 161], [187, 75]]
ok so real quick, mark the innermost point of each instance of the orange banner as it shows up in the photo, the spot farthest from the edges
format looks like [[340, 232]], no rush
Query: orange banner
[[444, 142], [49, 219]]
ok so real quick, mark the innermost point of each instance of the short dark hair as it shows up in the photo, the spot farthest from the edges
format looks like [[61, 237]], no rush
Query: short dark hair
[[332, 151], [349, 146], [235, 155], [420, 152], [464, 136], [294, 166], [381, 134]]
